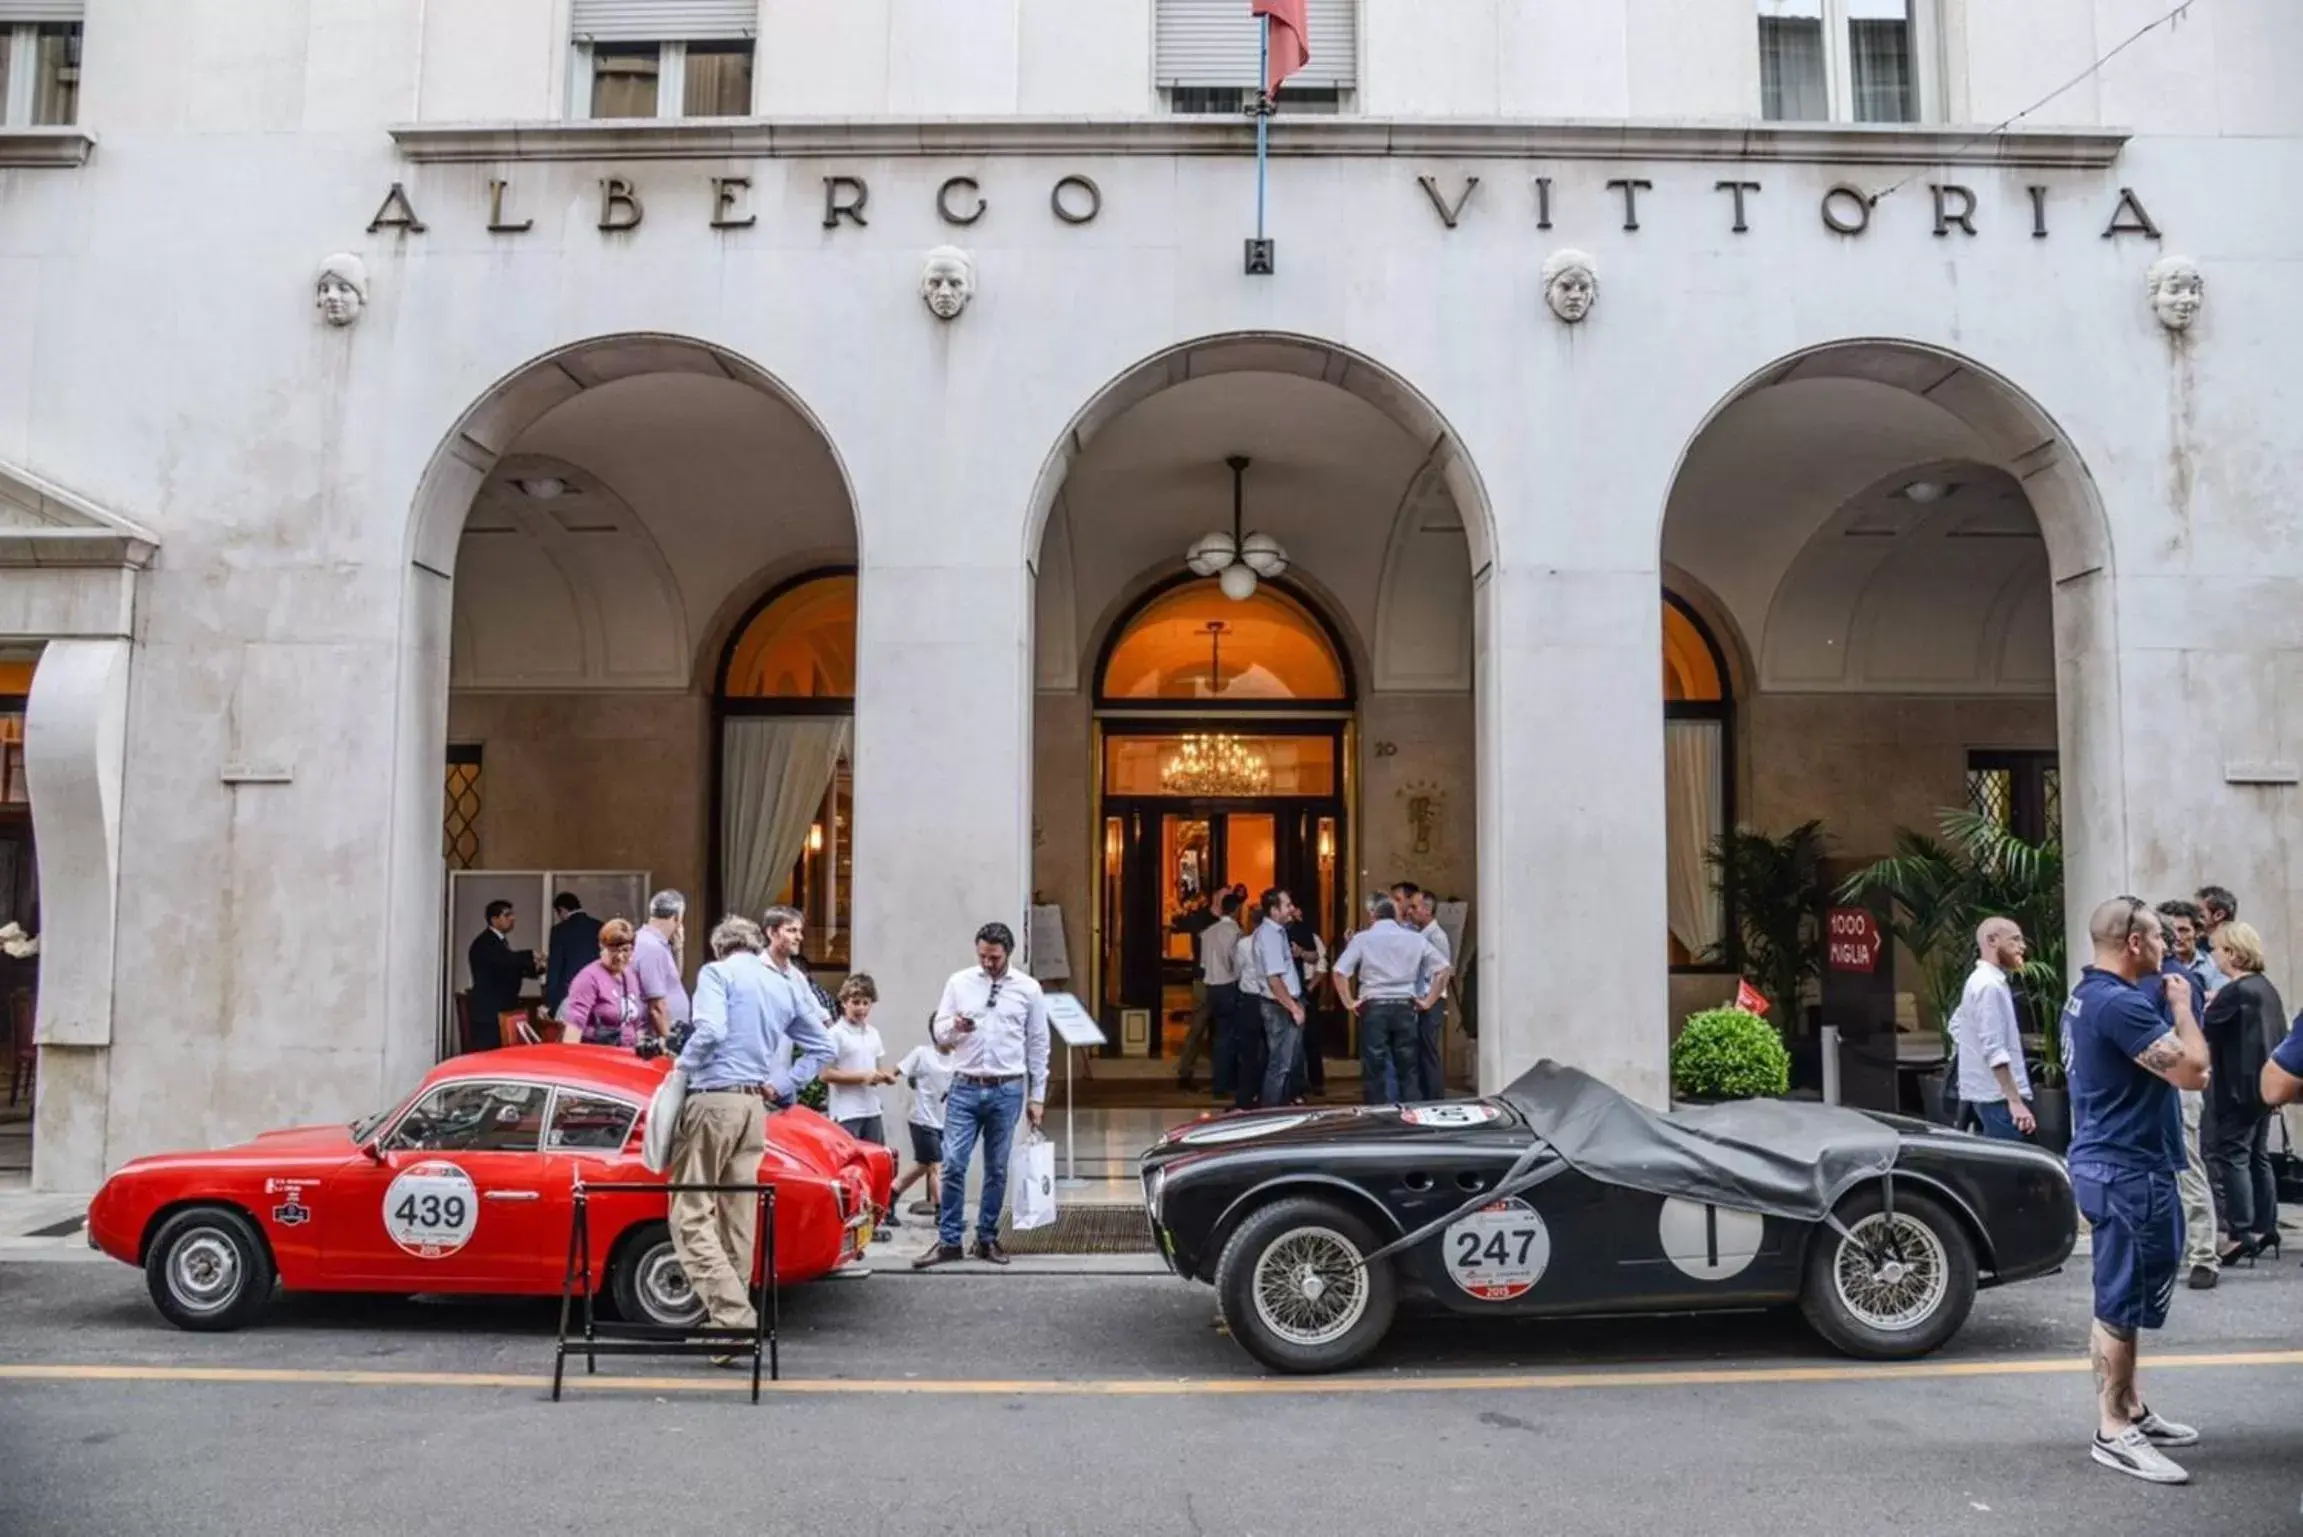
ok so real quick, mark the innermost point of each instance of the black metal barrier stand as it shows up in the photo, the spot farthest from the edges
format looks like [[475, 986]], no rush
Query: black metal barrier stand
[[633, 1338]]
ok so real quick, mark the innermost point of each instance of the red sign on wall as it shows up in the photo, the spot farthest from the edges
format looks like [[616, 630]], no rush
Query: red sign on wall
[[1852, 941]]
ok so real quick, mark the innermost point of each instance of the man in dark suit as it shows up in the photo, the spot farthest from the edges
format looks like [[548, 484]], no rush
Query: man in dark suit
[[575, 945], [497, 972]]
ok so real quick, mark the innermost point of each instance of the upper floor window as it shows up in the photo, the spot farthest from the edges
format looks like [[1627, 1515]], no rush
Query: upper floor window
[[1205, 57], [39, 62], [1845, 61], [661, 58]]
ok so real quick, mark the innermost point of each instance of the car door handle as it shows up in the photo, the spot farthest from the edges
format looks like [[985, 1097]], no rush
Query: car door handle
[[515, 1195]]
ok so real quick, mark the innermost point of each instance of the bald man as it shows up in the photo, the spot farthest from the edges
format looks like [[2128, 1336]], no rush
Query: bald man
[[1992, 1077]]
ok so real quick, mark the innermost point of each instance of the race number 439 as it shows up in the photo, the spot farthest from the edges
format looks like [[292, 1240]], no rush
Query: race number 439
[[1498, 1252], [431, 1210]]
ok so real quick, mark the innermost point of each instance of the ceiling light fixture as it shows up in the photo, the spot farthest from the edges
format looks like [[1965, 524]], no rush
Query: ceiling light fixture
[[543, 488], [1237, 559], [1926, 491]]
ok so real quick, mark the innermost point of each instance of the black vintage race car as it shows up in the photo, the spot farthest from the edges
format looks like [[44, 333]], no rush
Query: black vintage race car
[[1560, 1196]]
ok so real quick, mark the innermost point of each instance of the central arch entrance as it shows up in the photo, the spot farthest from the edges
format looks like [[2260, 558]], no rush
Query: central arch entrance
[[1222, 731]]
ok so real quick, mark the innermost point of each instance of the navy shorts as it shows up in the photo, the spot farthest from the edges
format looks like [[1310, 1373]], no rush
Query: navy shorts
[[2136, 1219], [927, 1143]]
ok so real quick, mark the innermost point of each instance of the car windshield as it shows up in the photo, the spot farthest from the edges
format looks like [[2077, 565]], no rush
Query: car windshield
[[366, 1126]]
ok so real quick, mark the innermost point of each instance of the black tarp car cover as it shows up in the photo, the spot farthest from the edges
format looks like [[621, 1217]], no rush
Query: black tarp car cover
[[1774, 1157]]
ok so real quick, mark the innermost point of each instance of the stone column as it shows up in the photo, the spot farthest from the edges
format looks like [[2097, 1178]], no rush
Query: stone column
[[1571, 863], [75, 740], [942, 775]]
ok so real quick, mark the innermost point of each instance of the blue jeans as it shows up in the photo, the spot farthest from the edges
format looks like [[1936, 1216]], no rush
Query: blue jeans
[[1431, 1074], [1994, 1119], [1283, 1042], [988, 1112], [1386, 1050]]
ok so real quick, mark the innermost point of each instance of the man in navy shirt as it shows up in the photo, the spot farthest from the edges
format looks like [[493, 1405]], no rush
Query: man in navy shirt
[[2123, 1065], [2282, 1082]]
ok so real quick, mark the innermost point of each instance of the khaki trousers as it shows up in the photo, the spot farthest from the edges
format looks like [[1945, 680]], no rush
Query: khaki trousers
[[719, 1142], [2198, 1196]]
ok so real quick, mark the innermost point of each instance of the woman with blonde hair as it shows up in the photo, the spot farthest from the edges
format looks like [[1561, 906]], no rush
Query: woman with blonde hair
[[2245, 1020]]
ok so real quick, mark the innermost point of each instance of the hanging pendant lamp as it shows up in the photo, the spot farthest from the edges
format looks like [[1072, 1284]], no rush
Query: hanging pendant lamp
[[1236, 559]]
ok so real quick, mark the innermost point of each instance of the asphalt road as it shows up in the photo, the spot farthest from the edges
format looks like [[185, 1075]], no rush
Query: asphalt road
[[1044, 1404]]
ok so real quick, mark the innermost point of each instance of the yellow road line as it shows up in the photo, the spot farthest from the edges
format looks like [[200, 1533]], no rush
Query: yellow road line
[[1139, 1387]]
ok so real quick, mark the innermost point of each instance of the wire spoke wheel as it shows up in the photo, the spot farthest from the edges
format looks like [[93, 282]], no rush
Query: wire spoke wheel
[[1894, 1274], [1309, 1286]]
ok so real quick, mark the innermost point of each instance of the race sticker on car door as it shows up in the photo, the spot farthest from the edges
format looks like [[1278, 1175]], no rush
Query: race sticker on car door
[[1498, 1252], [431, 1210], [1473, 1114]]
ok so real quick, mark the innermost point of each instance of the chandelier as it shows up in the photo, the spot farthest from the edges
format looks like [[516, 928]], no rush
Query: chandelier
[[1236, 559], [1215, 764]]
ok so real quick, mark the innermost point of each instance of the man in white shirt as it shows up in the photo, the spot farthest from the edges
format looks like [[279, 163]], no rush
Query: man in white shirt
[[1992, 1077], [1282, 1003], [995, 1019], [1399, 973], [1215, 995], [1431, 1014]]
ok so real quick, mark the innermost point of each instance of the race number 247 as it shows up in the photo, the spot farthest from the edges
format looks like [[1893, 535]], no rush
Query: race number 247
[[1470, 1252]]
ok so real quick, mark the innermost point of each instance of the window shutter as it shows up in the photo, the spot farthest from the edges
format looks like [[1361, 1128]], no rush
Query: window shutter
[[13, 11], [659, 21], [1215, 42]]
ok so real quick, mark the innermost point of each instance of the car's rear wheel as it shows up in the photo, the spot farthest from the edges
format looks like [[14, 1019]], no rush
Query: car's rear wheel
[[649, 1285], [1296, 1290], [208, 1270], [1899, 1287]]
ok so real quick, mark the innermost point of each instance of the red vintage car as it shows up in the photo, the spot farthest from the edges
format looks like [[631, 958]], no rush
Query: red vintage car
[[465, 1187]]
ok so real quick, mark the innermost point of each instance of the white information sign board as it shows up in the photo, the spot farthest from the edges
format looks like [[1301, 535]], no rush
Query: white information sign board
[[1069, 1018]]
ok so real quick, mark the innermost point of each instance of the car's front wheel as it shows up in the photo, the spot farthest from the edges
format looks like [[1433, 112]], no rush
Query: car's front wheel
[[649, 1285], [208, 1270], [1296, 1288], [1898, 1287]]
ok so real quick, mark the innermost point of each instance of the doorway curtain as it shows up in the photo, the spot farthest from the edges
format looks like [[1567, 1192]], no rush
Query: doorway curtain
[[1692, 796], [773, 775]]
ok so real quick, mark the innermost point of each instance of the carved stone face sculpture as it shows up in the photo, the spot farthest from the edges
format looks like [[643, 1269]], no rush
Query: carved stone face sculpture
[[1570, 284], [2177, 291], [947, 281], [342, 288]]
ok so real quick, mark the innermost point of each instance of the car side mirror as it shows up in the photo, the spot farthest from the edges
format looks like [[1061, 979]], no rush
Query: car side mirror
[[374, 1149]]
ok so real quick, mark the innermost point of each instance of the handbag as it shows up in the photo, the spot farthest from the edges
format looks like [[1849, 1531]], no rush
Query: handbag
[[663, 1122], [1036, 1193]]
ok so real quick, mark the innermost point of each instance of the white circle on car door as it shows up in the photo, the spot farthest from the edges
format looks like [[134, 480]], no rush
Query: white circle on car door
[[1498, 1252], [431, 1209], [1710, 1243]]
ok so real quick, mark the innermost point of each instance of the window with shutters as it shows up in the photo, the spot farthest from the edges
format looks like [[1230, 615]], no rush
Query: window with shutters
[[660, 58], [1206, 57], [39, 63], [1848, 61]]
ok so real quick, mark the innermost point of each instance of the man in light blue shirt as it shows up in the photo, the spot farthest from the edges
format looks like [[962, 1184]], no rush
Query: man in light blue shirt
[[1283, 1002], [1993, 1080], [751, 1015], [1399, 974]]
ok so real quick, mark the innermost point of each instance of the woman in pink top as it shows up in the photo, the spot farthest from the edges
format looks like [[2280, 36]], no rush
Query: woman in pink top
[[604, 1006]]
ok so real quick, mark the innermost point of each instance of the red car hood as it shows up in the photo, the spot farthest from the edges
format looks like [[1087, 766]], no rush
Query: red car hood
[[330, 1141]]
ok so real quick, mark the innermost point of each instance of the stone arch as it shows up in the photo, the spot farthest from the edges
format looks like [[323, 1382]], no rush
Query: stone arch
[[1277, 352]]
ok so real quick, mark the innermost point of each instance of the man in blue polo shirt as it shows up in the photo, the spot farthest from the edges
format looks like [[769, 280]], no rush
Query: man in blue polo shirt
[[2123, 1065], [2282, 1082]]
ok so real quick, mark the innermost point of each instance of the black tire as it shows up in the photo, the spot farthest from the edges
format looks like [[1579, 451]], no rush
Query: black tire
[[647, 1281], [1932, 1242], [209, 1270], [1310, 1221]]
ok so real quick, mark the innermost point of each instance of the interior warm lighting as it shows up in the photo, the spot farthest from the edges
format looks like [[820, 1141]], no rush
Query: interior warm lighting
[[1326, 840], [1217, 764], [815, 837], [801, 646], [1271, 648]]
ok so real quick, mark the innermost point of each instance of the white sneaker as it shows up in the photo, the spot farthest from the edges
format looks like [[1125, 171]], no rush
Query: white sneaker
[[2133, 1454], [2164, 1432]]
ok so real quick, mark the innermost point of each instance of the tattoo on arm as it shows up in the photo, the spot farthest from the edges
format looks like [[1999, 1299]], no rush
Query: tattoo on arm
[[2161, 1054]]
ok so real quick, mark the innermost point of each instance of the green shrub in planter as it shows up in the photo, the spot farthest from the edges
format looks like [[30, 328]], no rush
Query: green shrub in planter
[[1729, 1054]]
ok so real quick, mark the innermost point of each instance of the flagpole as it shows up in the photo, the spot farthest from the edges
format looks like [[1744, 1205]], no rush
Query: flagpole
[[1262, 116]]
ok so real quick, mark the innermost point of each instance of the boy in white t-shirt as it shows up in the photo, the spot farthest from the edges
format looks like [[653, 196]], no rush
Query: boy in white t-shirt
[[852, 1095], [928, 1069]]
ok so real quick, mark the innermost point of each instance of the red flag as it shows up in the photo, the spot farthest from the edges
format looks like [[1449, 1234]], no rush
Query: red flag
[[1290, 40], [1748, 998]]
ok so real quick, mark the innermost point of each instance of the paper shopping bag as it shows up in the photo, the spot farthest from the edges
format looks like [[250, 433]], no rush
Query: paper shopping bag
[[1036, 1192], [663, 1121]]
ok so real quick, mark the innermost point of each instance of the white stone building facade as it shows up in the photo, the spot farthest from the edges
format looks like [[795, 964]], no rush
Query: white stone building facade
[[1886, 409]]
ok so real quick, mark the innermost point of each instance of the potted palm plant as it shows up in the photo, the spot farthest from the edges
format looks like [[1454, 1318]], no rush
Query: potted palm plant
[[1774, 892], [1940, 889]]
